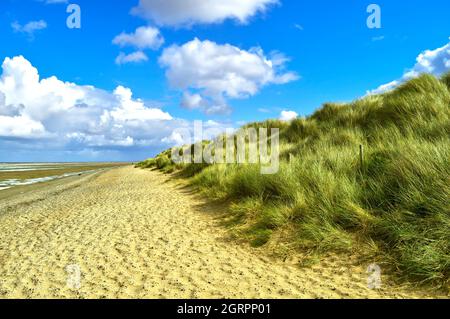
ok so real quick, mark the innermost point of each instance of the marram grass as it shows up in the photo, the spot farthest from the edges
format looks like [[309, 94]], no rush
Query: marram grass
[[397, 203]]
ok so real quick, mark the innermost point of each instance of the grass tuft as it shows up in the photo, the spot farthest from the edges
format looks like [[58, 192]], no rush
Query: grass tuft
[[395, 205]]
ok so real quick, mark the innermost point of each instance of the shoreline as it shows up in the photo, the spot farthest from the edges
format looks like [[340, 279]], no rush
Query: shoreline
[[12, 175], [18, 195]]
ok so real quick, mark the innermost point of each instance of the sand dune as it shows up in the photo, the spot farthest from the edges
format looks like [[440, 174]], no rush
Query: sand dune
[[133, 234]]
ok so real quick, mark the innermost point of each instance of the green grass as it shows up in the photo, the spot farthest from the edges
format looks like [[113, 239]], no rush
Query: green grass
[[395, 206]]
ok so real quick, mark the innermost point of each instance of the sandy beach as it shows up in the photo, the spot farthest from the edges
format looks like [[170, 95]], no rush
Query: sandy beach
[[135, 233]]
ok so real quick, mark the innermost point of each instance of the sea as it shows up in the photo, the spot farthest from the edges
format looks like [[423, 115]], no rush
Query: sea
[[21, 168]]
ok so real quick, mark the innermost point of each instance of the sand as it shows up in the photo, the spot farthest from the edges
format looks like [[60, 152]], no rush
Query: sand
[[131, 233]]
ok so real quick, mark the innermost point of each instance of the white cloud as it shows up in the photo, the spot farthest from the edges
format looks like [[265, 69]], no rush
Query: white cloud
[[54, 1], [134, 57], [48, 119], [209, 130], [21, 127], [177, 139], [288, 116], [29, 28], [207, 105], [97, 141], [75, 116], [208, 73], [134, 110], [192, 101], [189, 12], [430, 61], [142, 38]]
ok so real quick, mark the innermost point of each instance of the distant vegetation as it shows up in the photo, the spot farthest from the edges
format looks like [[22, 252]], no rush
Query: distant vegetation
[[394, 206]]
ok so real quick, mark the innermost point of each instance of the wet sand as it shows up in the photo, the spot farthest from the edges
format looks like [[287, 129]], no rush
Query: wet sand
[[136, 234], [60, 170]]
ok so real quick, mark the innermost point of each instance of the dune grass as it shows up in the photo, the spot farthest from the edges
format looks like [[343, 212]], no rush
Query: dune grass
[[395, 205]]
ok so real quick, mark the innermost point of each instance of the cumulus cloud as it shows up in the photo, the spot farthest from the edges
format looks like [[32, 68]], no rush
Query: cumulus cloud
[[436, 62], [189, 12], [209, 106], [75, 117], [288, 116], [143, 38], [208, 73], [206, 130], [192, 101], [83, 122], [21, 127], [134, 110]]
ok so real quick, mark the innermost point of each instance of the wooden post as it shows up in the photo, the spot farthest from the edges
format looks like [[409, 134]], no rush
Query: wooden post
[[361, 156], [291, 157]]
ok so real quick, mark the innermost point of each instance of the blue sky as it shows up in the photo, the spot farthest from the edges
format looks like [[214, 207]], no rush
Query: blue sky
[[325, 49]]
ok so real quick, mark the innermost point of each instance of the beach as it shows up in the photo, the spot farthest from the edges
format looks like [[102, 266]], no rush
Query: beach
[[22, 174], [132, 233]]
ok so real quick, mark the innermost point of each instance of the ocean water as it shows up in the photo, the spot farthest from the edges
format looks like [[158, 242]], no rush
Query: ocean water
[[26, 167], [23, 167]]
